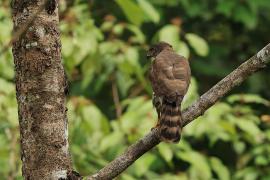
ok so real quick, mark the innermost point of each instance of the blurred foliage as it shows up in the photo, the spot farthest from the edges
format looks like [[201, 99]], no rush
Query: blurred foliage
[[104, 44]]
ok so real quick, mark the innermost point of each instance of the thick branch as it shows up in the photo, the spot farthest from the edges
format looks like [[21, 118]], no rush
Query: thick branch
[[143, 145]]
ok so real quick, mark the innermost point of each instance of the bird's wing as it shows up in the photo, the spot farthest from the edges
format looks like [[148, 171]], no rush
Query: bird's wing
[[171, 75], [162, 74], [181, 71]]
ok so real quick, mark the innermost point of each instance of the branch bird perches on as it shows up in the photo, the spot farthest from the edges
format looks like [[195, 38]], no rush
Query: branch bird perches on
[[235, 78]]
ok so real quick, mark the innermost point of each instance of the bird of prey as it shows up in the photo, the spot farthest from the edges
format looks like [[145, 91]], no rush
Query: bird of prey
[[170, 78]]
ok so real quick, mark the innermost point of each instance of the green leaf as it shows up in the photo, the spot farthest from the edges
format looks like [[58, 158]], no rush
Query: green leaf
[[170, 34], [12, 116], [191, 95], [248, 98], [249, 173], [112, 140], [183, 49], [165, 151], [226, 7], [94, 120], [198, 44], [107, 26], [132, 11], [197, 161], [6, 87], [149, 10], [194, 8], [6, 65], [248, 126], [132, 56], [142, 165], [184, 145], [138, 117], [88, 68], [262, 160], [139, 36], [126, 176], [118, 29], [219, 168], [246, 16], [239, 147]]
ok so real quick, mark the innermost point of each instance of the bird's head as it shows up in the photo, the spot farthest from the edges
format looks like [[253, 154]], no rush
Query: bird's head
[[155, 49]]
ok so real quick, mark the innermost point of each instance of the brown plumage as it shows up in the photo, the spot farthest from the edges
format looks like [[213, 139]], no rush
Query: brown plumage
[[170, 78]]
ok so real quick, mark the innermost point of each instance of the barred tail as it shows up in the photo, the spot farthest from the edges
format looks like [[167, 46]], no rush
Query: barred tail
[[170, 122]]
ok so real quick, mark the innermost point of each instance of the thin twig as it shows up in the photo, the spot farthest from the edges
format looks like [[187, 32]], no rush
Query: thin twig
[[116, 100], [143, 145], [136, 91]]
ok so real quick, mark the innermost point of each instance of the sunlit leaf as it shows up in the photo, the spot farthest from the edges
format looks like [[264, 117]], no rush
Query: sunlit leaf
[[170, 34], [239, 147], [191, 95], [106, 26], [126, 176], [142, 165], [262, 160], [94, 120], [6, 66], [149, 10], [198, 161], [219, 168], [112, 140], [6, 87], [248, 98], [198, 44], [248, 126], [118, 29], [139, 36], [183, 49], [165, 151], [132, 11], [247, 173]]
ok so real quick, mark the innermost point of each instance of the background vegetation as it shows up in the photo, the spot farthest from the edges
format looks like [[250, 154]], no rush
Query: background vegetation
[[109, 105]]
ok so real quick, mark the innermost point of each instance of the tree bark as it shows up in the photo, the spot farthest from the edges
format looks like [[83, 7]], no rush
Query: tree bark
[[40, 88]]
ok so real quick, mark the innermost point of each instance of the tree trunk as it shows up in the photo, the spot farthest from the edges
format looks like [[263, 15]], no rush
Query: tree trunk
[[40, 87]]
